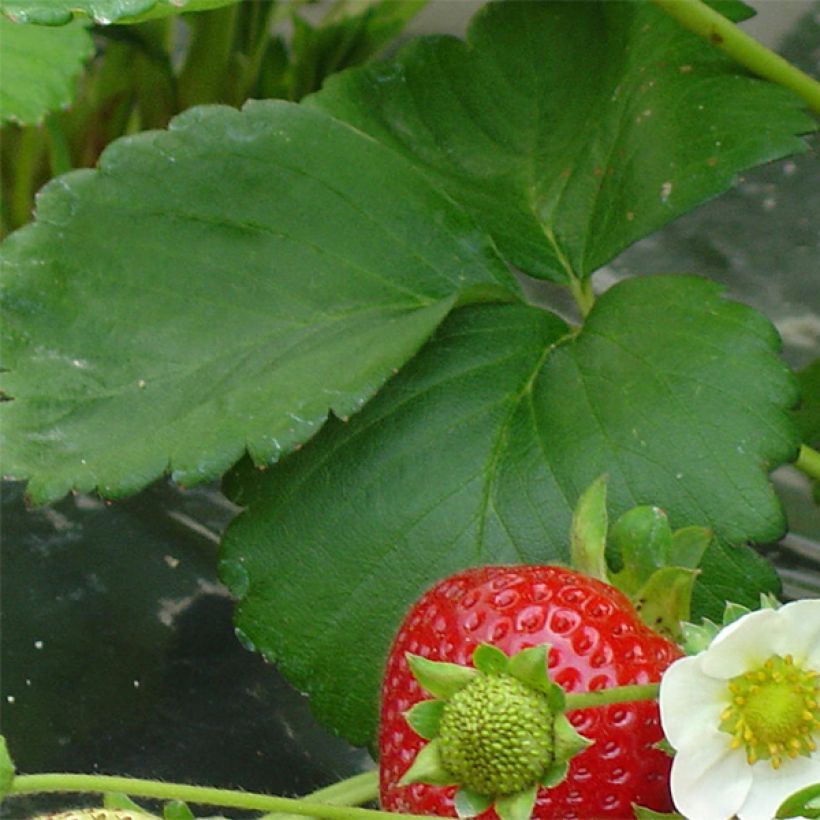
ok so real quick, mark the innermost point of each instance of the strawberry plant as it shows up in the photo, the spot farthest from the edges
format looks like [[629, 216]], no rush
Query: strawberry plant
[[374, 303]]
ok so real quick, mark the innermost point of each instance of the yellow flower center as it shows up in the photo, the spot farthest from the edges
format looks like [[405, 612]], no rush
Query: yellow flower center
[[773, 711]]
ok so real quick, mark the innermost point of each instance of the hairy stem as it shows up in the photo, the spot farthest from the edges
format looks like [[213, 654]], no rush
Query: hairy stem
[[714, 27], [606, 697], [354, 791], [36, 783], [808, 461]]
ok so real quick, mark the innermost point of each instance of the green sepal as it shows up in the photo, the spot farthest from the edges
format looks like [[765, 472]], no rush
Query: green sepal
[[642, 813], [697, 638], [641, 541], [6, 769], [555, 774], [663, 745], [425, 718], [530, 667], [177, 810], [119, 801], [688, 546], [734, 612], [665, 600], [568, 741], [769, 601], [517, 806], [470, 804], [439, 678], [427, 768], [490, 659], [588, 532], [803, 803]]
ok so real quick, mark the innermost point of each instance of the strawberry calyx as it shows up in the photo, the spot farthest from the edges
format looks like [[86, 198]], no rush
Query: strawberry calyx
[[496, 730], [640, 554]]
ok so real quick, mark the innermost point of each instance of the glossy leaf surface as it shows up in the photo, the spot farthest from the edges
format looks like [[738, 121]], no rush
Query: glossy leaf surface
[[39, 68], [220, 287], [477, 453], [571, 129], [60, 12]]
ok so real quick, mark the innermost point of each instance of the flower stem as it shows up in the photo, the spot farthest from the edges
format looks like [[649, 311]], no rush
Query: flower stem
[[808, 461], [34, 783], [699, 18], [606, 697], [353, 791]]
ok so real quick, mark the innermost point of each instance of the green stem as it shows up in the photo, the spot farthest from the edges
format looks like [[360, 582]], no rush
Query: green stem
[[583, 294], [36, 783], [606, 697], [808, 461], [59, 153], [354, 791], [714, 27]]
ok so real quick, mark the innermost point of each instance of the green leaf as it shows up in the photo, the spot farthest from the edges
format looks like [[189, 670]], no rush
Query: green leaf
[[642, 813], [60, 12], [6, 769], [438, 678], [39, 68], [477, 452], [217, 287], [425, 717], [546, 124], [689, 544], [807, 414], [588, 531], [530, 667], [116, 801]]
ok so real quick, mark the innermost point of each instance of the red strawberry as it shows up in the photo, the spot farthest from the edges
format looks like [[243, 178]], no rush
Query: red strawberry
[[596, 641]]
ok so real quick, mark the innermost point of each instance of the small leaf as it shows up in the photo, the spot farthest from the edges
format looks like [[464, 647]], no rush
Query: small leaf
[[427, 768], [40, 68], [177, 810], [803, 803], [425, 717], [555, 774], [642, 813], [588, 532], [438, 677], [688, 546], [470, 804], [6, 769], [641, 540], [664, 602], [490, 660], [517, 806]]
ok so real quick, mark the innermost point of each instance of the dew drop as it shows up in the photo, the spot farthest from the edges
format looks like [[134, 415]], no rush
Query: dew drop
[[243, 639], [234, 575]]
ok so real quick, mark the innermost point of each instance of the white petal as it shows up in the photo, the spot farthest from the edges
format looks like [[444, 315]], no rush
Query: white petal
[[690, 702], [801, 635], [771, 787], [712, 781], [744, 644]]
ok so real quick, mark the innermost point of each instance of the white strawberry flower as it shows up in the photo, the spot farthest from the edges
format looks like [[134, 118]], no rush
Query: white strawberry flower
[[744, 715]]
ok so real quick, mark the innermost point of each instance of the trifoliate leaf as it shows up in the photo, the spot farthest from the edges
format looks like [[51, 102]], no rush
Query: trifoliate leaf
[[546, 124], [477, 452], [217, 287], [39, 68]]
